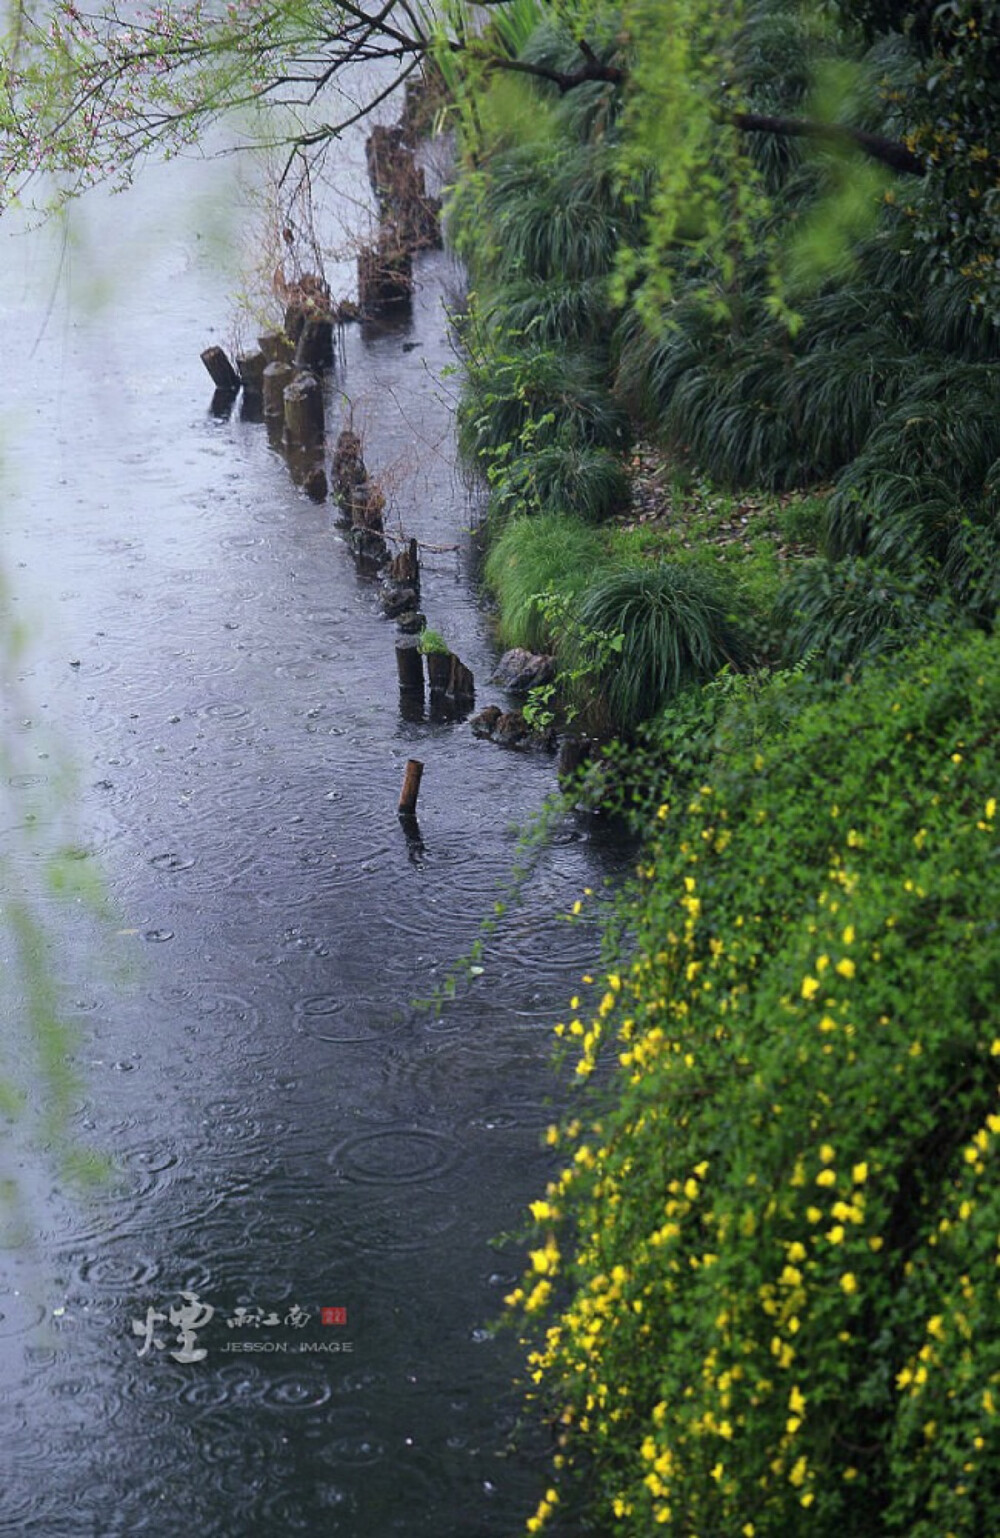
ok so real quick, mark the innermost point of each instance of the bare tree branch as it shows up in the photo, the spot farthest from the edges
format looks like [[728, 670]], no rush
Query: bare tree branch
[[888, 152]]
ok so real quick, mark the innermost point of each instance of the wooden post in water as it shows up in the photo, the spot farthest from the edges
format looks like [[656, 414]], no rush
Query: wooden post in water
[[276, 377], [250, 366], [224, 376], [276, 347], [411, 788], [410, 662], [303, 403]]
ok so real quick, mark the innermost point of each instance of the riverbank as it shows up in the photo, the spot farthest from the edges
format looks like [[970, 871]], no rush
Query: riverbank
[[763, 547]]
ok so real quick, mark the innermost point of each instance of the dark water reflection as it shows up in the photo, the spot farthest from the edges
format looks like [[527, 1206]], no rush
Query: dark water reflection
[[289, 1132]]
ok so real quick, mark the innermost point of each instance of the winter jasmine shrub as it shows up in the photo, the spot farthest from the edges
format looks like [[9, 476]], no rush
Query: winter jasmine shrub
[[763, 1294]]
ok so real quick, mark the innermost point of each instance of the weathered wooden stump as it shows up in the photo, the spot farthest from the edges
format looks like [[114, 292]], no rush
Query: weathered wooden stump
[[314, 483], [439, 671], [370, 550], [411, 787], [250, 366], [224, 376], [347, 471], [277, 377], [314, 349], [401, 188], [385, 274], [405, 567], [367, 506], [398, 600], [461, 684], [303, 405], [382, 150], [409, 662], [276, 347]]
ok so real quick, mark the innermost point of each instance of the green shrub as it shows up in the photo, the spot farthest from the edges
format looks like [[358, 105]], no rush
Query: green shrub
[[675, 626], [551, 553], [588, 482], [558, 310], [803, 522], [520, 399], [768, 1265], [933, 464], [843, 613]]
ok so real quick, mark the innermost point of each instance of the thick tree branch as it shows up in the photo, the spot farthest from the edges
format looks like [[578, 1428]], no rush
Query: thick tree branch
[[610, 74], [888, 152]]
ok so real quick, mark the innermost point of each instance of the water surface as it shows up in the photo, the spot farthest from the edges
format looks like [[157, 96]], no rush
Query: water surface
[[289, 1133]]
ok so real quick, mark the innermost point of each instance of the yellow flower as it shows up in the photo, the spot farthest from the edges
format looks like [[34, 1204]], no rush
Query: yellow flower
[[849, 935], [835, 1234], [810, 987], [827, 1153], [796, 1402], [849, 1282], [859, 1174], [845, 966], [826, 1178]]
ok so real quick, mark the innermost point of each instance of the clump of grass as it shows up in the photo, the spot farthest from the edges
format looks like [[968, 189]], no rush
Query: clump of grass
[[433, 642], [676, 626], [581, 479], [550, 553], [842, 614], [933, 464], [525, 398]]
